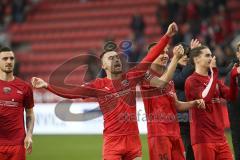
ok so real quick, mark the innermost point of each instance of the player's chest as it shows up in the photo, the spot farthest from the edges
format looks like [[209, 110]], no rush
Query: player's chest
[[216, 90], [118, 89], [11, 95], [118, 86]]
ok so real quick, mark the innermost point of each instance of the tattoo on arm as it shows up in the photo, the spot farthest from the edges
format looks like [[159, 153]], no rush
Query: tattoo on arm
[[30, 123]]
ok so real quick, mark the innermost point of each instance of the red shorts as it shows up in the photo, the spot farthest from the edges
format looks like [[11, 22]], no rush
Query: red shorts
[[125, 147], [212, 151], [163, 147], [12, 152]]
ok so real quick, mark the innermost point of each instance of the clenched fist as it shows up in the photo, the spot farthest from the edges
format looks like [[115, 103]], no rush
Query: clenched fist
[[38, 83], [172, 29]]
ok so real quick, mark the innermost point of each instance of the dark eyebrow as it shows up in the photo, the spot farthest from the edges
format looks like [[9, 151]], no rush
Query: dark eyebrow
[[8, 57], [208, 54]]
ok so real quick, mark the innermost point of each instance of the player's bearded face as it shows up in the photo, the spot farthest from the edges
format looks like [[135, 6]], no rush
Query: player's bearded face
[[162, 60], [116, 67], [112, 62], [7, 61]]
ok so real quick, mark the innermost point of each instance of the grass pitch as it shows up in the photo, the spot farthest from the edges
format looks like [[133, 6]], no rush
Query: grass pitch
[[74, 147]]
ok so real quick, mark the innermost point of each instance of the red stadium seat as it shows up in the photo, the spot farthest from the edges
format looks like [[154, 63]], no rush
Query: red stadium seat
[[59, 30]]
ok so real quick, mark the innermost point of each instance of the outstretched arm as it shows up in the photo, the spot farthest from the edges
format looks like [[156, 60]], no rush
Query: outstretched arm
[[71, 93], [184, 106], [156, 50]]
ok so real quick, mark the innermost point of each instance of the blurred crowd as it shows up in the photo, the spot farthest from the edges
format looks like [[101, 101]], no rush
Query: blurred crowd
[[12, 11], [208, 21]]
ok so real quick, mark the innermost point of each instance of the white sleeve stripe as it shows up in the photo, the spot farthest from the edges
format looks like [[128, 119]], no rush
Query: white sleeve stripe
[[207, 89]]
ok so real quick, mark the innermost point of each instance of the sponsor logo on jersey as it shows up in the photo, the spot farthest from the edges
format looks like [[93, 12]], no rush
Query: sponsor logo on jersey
[[8, 103], [19, 92], [107, 88]]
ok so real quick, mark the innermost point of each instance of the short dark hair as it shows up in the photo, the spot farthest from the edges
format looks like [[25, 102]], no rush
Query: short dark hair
[[102, 54], [151, 46], [5, 49], [108, 47], [195, 52]]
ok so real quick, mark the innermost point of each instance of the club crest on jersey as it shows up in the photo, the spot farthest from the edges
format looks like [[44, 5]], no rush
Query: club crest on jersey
[[7, 90], [125, 82]]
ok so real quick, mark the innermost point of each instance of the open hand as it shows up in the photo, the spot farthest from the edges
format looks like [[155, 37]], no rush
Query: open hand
[[195, 43]]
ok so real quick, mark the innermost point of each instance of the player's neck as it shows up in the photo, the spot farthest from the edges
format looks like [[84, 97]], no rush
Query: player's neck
[[6, 76], [201, 71], [114, 76], [158, 68]]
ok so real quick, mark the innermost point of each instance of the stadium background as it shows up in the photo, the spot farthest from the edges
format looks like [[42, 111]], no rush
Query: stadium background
[[46, 33]]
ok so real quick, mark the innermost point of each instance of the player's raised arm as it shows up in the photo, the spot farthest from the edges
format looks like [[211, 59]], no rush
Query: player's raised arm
[[183, 72], [71, 93], [178, 52], [157, 49]]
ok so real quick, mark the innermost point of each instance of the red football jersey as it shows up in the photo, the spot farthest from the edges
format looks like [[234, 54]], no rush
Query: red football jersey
[[207, 126], [117, 98], [160, 109], [118, 105], [15, 96]]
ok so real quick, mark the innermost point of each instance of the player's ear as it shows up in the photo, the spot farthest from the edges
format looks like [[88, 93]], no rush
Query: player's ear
[[195, 60], [104, 66], [103, 63]]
